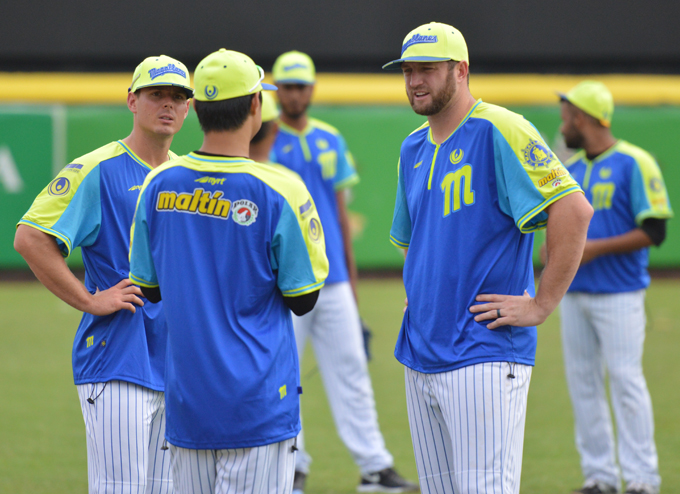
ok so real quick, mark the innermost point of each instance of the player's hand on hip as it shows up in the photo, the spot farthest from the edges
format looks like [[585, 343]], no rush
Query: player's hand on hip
[[508, 310], [123, 295]]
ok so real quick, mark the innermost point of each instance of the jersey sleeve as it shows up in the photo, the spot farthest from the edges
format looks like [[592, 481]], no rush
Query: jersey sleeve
[[346, 175], [529, 176], [69, 208], [298, 250], [649, 198], [400, 233], [142, 269]]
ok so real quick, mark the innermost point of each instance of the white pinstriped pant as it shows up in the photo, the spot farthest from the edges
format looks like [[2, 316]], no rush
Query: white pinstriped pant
[[467, 427], [125, 429], [265, 469], [607, 331], [335, 330]]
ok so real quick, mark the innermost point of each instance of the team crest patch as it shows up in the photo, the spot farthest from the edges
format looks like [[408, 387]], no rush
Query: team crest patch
[[314, 230], [537, 154], [605, 173], [244, 212], [59, 186], [322, 144], [210, 92], [456, 156], [655, 185]]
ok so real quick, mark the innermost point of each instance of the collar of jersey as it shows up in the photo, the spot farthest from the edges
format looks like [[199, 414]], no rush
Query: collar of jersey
[[604, 155], [218, 159], [462, 122], [290, 130], [137, 158]]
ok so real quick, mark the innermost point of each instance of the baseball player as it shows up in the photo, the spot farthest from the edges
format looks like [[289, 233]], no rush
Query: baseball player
[[230, 245], [603, 315], [474, 181], [317, 152], [119, 347]]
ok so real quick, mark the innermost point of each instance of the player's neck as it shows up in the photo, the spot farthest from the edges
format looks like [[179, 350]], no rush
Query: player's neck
[[298, 123], [260, 152], [151, 148], [598, 142], [449, 118], [228, 143]]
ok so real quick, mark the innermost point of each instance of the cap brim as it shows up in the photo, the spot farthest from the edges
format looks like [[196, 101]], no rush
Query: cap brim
[[396, 64], [294, 81], [562, 96], [269, 87]]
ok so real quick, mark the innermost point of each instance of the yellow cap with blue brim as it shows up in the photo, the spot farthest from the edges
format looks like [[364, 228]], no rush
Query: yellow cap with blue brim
[[433, 42], [227, 74], [294, 67], [161, 71]]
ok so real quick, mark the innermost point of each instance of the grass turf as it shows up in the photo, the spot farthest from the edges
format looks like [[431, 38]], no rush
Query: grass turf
[[42, 442]]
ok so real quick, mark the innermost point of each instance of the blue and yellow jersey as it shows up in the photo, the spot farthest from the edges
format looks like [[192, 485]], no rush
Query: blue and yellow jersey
[[465, 210], [625, 187], [90, 204], [226, 239], [320, 157]]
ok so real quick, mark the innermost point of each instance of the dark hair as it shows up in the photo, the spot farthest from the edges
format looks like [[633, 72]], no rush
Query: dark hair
[[263, 132], [228, 114]]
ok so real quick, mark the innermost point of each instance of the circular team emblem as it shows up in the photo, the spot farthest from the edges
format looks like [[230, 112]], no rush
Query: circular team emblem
[[537, 154], [315, 230], [322, 144], [456, 156], [605, 173], [244, 212], [59, 186], [655, 185], [210, 92]]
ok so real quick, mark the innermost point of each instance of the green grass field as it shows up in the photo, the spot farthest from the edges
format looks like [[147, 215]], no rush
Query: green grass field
[[42, 442]]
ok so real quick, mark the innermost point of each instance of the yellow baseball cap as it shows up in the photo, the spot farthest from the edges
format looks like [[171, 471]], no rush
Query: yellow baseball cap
[[433, 42], [294, 67], [227, 74], [594, 98], [269, 110], [161, 71]]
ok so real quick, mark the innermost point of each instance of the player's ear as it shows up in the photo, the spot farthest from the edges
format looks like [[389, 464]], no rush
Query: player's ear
[[255, 103], [462, 70], [132, 102]]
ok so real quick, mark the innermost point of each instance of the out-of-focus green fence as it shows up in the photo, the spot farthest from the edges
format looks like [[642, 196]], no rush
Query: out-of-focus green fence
[[35, 142]]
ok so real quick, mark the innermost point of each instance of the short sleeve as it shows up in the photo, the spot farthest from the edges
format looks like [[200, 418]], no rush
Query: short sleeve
[[529, 176], [649, 198], [346, 175], [69, 208], [400, 233], [298, 251], [142, 269]]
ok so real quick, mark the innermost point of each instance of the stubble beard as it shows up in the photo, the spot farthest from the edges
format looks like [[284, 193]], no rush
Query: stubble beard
[[293, 113], [439, 100]]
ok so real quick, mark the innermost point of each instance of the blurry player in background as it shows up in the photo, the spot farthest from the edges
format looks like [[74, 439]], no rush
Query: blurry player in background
[[119, 347], [474, 182], [317, 152], [232, 247], [603, 313], [262, 142]]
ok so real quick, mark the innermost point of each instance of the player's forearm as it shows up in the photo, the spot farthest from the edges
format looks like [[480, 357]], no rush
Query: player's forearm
[[631, 241], [43, 256], [568, 221]]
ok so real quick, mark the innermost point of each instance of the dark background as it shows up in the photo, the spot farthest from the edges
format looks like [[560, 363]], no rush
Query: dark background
[[577, 36]]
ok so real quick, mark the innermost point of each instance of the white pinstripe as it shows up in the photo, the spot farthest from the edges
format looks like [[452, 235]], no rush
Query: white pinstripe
[[606, 332], [265, 469], [335, 330], [124, 429], [467, 427]]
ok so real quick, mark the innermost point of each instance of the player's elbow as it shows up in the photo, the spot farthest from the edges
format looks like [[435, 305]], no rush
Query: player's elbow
[[581, 211], [22, 240]]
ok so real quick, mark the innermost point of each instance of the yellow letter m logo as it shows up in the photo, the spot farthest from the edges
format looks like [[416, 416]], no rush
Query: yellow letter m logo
[[457, 187]]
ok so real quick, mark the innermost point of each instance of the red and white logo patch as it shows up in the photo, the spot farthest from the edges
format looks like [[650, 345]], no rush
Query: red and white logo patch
[[244, 212]]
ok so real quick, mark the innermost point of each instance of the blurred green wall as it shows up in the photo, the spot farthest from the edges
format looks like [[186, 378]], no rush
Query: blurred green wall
[[32, 137]]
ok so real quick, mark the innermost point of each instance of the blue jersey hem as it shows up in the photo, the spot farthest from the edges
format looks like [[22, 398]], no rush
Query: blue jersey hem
[[127, 379], [465, 363], [234, 445]]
